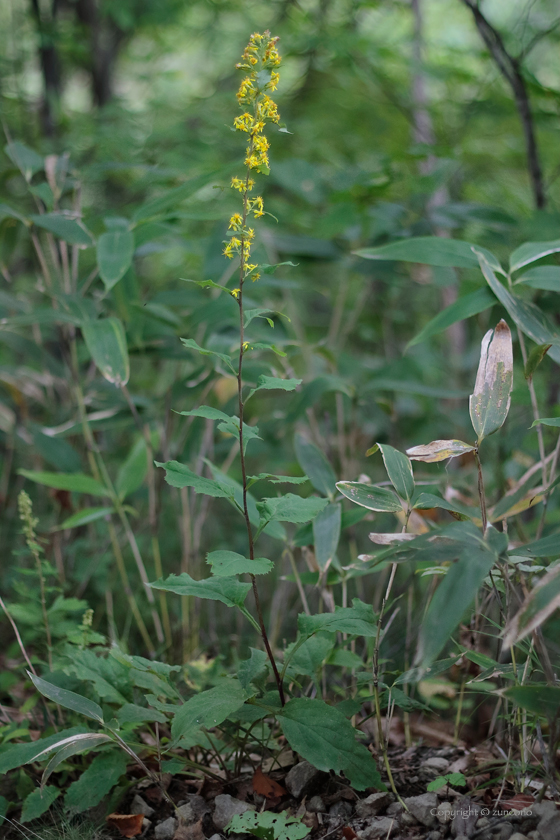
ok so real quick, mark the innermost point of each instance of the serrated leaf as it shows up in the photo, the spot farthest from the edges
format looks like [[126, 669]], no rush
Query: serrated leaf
[[191, 344], [96, 781], [464, 307], [315, 465], [531, 252], [439, 450], [429, 250], [206, 709], [252, 668], [228, 424], [326, 533], [274, 383], [369, 496], [70, 230], [489, 404], [399, 470], [229, 591], [290, 508], [68, 699], [229, 563], [277, 479], [38, 802], [106, 341], [75, 482], [267, 825], [179, 475], [115, 250], [323, 736], [357, 620]]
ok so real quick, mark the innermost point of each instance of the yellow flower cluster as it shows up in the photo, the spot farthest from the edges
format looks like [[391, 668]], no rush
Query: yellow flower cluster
[[261, 59]]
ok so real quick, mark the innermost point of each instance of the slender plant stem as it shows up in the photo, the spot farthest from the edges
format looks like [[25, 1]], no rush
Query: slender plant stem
[[481, 493]]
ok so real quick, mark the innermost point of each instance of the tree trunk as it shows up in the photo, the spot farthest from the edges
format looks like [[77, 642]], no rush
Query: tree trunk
[[104, 40], [50, 66]]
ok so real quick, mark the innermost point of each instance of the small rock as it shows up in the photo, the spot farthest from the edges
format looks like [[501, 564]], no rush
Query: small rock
[[444, 813], [549, 823], [216, 837], [378, 827], [434, 835], [436, 764], [301, 779], [341, 809], [166, 829], [140, 806], [483, 822], [533, 835], [394, 809], [504, 832], [315, 805], [373, 804], [423, 808], [466, 817], [193, 809], [226, 807], [518, 836], [406, 820], [146, 825]]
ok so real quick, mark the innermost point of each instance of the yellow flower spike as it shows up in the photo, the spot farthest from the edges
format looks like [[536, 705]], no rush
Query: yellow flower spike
[[237, 184], [235, 222], [235, 293], [256, 276]]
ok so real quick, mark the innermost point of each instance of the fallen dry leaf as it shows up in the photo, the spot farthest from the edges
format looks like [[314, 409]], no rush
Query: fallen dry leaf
[[190, 832], [517, 802], [349, 833], [129, 825], [266, 786]]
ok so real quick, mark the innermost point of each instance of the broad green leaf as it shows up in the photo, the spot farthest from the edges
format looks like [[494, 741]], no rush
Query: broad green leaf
[[439, 450], [133, 471], [489, 404], [536, 356], [546, 277], [229, 591], [191, 344], [106, 341], [228, 424], [68, 699], [253, 668], [529, 318], [115, 250], [531, 252], [78, 746], [38, 802], [274, 383], [7, 212], [208, 413], [70, 230], [539, 604], [131, 713], [309, 656], [464, 307], [267, 825], [315, 465], [369, 496], [547, 421], [546, 547], [4, 806], [57, 452], [20, 754], [229, 563], [357, 620], [430, 250], [428, 501], [75, 482], [265, 268], [453, 597], [277, 479], [28, 161], [541, 700], [171, 199], [273, 529], [206, 709], [399, 469], [326, 533], [323, 736], [290, 508], [96, 781], [179, 475]]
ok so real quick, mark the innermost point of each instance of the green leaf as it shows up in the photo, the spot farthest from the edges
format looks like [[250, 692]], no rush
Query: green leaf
[[547, 421], [538, 606], [536, 356], [38, 802], [273, 529], [131, 713], [439, 450], [274, 383], [369, 496], [542, 700], [545, 547], [96, 781], [290, 508], [277, 479], [265, 268], [309, 656], [179, 475], [133, 471], [229, 424], [106, 341], [68, 699], [20, 754], [267, 825], [357, 620], [326, 533], [464, 307], [191, 344], [4, 806], [529, 318], [26, 160], [489, 404], [229, 591], [457, 779], [428, 501], [546, 277], [315, 465], [531, 252], [78, 745], [75, 482], [115, 250], [70, 230], [399, 470], [206, 709], [252, 668], [324, 737], [228, 563], [430, 250]]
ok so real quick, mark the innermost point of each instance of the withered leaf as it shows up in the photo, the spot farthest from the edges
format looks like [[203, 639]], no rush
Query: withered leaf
[[439, 450], [266, 786], [489, 404], [129, 825]]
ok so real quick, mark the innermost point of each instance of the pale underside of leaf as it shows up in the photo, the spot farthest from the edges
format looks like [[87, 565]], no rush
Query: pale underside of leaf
[[439, 450], [489, 404], [389, 539]]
